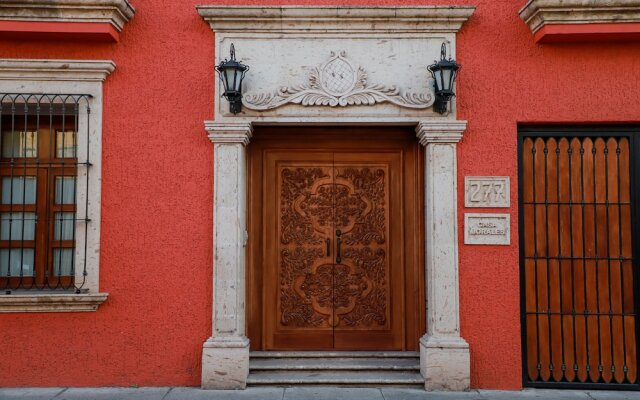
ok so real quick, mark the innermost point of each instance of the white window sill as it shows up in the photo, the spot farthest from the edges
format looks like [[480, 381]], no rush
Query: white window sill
[[51, 302]]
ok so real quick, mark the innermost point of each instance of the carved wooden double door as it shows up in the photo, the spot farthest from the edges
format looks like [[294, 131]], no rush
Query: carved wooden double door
[[333, 268], [332, 248]]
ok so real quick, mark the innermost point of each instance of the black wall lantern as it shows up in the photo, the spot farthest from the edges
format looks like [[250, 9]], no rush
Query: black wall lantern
[[444, 73], [231, 74]]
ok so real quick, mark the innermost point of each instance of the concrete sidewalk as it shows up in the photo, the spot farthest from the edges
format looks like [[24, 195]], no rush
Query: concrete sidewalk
[[300, 393]]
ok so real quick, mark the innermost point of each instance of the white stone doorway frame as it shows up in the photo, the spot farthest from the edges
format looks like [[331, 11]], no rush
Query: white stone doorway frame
[[444, 354]]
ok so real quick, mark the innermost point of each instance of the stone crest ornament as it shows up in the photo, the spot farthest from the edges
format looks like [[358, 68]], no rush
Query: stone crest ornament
[[337, 83]]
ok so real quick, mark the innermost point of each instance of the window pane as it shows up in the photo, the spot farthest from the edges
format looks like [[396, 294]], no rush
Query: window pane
[[17, 226], [63, 262], [65, 190], [20, 260], [64, 226], [19, 190], [65, 144], [20, 144]]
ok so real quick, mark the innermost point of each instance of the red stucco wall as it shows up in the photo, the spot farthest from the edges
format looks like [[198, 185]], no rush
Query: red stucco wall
[[156, 253]]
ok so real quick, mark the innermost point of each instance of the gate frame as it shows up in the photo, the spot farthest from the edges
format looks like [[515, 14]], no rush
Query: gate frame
[[544, 131]]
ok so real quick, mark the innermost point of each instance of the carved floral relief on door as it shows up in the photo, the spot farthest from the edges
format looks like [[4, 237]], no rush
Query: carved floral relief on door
[[333, 246]]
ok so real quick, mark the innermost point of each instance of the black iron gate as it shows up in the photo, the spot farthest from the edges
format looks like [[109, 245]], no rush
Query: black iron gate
[[578, 224]]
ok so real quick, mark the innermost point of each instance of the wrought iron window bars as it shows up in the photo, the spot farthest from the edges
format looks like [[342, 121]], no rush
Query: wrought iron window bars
[[40, 153]]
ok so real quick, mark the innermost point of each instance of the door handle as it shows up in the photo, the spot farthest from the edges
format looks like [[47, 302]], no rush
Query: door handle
[[338, 243], [328, 247]]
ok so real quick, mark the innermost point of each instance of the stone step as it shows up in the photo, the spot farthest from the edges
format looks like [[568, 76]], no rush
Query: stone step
[[335, 364], [345, 378], [335, 354]]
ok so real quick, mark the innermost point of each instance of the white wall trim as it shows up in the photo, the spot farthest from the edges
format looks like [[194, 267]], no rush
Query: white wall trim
[[538, 13], [40, 302], [54, 77], [55, 70], [114, 12]]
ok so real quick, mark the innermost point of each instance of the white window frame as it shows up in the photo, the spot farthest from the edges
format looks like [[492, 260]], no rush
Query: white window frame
[[68, 77]]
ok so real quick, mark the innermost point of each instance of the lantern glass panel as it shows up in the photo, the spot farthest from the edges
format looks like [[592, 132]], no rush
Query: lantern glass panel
[[437, 76], [447, 75], [237, 81], [228, 77]]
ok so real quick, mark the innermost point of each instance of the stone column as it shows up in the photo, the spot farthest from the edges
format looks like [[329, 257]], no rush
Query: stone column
[[444, 354], [225, 355]]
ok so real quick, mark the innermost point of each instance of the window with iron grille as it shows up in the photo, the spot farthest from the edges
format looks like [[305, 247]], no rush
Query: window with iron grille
[[579, 271], [44, 142], [50, 184]]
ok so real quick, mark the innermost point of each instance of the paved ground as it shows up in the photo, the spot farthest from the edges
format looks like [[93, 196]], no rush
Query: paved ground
[[299, 393]]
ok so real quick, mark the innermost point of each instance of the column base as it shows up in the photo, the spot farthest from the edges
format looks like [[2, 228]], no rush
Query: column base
[[445, 363], [225, 363]]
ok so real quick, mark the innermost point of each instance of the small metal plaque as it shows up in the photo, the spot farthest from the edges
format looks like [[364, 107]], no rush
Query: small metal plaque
[[487, 229], [486, 191]]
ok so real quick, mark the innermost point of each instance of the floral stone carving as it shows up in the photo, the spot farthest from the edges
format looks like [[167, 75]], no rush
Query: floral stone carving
[[337, 83]]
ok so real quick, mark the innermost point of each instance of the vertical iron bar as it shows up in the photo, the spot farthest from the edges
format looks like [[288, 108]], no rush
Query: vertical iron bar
[[47, 199], [573, 282], [606, 174], [547, 255], [620, 250], [6, 286], [86, 207], [560, 258], [24, 190], [74, 154], [597, 260], [55, 188], [584, 261], [12, 161], [535, 258], [37, 174]]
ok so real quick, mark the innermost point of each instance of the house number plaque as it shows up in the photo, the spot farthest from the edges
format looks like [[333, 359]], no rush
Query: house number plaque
[[486, 191]]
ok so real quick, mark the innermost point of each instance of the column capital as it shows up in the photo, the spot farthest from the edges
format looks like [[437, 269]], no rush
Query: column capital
[[440, 131], [229, 132]]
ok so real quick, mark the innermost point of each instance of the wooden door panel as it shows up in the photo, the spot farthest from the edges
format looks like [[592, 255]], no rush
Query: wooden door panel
[[299, 215], [369, 279]]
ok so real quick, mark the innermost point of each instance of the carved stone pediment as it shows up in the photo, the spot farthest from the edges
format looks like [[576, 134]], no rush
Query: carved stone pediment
[[334, 64], [337, 83]]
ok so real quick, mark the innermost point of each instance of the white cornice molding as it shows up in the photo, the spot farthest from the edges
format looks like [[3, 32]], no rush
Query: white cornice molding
[[229, 132], [115, 12], [440, 132], [314, 19], [55, 70], [51, 302], [538, 13]]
